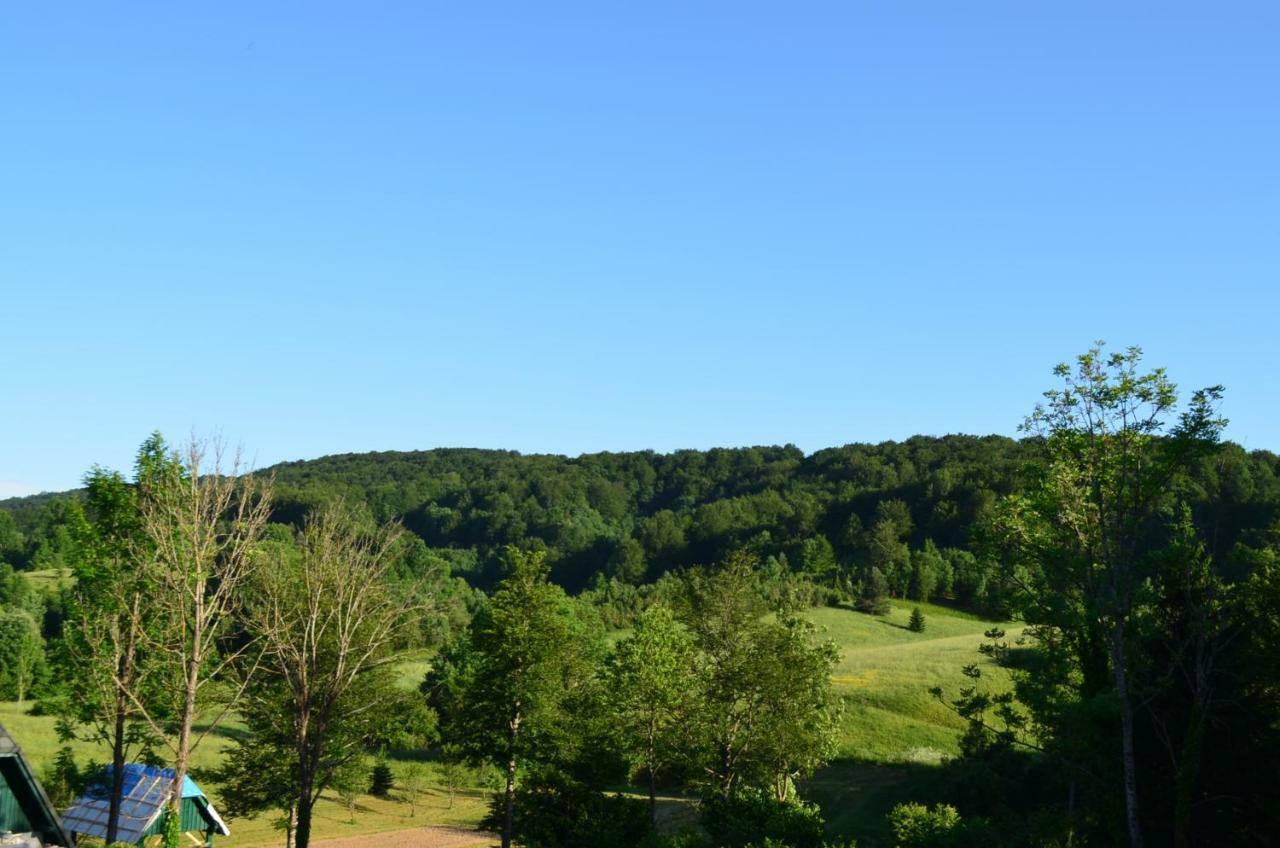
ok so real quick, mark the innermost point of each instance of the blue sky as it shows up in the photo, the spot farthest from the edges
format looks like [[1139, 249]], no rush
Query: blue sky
[[323, 227]]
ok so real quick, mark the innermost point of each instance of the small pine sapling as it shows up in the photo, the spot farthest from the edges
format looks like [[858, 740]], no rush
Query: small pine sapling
[[916, 624]]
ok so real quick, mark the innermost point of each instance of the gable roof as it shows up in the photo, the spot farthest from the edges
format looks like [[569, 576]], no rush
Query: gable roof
[[146, 791], [27, 794]]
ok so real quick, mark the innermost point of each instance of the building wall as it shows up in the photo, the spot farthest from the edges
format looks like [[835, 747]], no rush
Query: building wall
[[11, 815], [192, 819]]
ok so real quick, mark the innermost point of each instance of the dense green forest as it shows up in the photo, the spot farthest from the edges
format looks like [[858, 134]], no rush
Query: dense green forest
[[628, 518], [646, 620]]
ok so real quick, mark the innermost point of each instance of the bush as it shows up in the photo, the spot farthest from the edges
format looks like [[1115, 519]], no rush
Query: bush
[[554, 812], [751, 819], [918, 826]]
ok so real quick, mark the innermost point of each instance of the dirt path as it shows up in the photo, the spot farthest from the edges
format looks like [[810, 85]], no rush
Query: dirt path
[[418, 837]]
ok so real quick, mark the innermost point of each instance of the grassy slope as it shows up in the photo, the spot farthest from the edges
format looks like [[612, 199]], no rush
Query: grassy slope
[[39, 742], [894, 731]]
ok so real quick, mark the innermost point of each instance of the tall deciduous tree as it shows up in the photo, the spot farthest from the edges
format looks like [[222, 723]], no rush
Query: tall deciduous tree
[[201, 522], [505, 697], [1114, 441], [109, 609], [325, 621], [767, 712]]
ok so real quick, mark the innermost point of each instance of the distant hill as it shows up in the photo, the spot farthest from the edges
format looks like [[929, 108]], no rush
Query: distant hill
[[635, 515]]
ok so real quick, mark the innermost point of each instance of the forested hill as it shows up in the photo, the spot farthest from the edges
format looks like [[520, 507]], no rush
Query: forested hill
[[633, 516], [636, 515]]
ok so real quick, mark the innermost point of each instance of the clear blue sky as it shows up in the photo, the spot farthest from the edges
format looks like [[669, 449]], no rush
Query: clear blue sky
[[330, 227]]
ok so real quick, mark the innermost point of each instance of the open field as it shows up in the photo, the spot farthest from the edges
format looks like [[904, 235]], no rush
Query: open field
[[895, 733], [38, 739], [893, 736]]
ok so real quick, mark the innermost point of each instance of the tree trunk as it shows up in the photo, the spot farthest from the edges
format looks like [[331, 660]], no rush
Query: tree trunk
[[291, 826], [302, 836], [126, 669], [117, 771], [651, 767], [508, 818], [653, 796], [1129, 759], [182, 754], [1188, 772], [1071, 812]]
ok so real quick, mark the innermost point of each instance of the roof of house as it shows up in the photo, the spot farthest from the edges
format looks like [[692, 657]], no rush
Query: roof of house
[[146, 791], [25, 791]]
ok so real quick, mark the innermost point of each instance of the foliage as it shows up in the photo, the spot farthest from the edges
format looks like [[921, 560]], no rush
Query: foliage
[[63, 780], [653, 693], [22, 656], [1131, 616], [751, 817], [767, 714], [323, 615], [918, 826], [172, 834], [554, 812], [506, 691]]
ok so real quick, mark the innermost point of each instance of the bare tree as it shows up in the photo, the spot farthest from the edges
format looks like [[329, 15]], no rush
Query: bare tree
[[414, 779], [326, 621], [201, 519]]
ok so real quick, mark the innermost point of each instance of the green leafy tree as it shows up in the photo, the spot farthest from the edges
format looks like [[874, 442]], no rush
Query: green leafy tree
[[891, 556], [12, 541], [505, 699], [103, 648], [875, 593], [917, 826], [650, 678], [767, 713], [413, 777], [1081, 538], [818, 558], [22, 657], [929, 570]]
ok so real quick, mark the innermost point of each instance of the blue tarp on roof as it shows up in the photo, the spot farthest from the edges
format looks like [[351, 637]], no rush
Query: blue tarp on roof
[[146, 791], [136, 773]]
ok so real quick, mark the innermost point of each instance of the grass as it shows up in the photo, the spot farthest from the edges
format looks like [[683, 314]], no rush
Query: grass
[[894, 734], [411, 670], [49, 581], [893, 737], [38, 739]]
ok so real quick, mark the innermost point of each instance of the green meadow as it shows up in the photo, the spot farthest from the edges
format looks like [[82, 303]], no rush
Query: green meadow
[[333, 817], [894, 732]]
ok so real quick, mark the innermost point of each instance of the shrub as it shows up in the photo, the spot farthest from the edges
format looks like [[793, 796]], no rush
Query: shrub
[[555, 812], [751, 819], [918, 826]]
